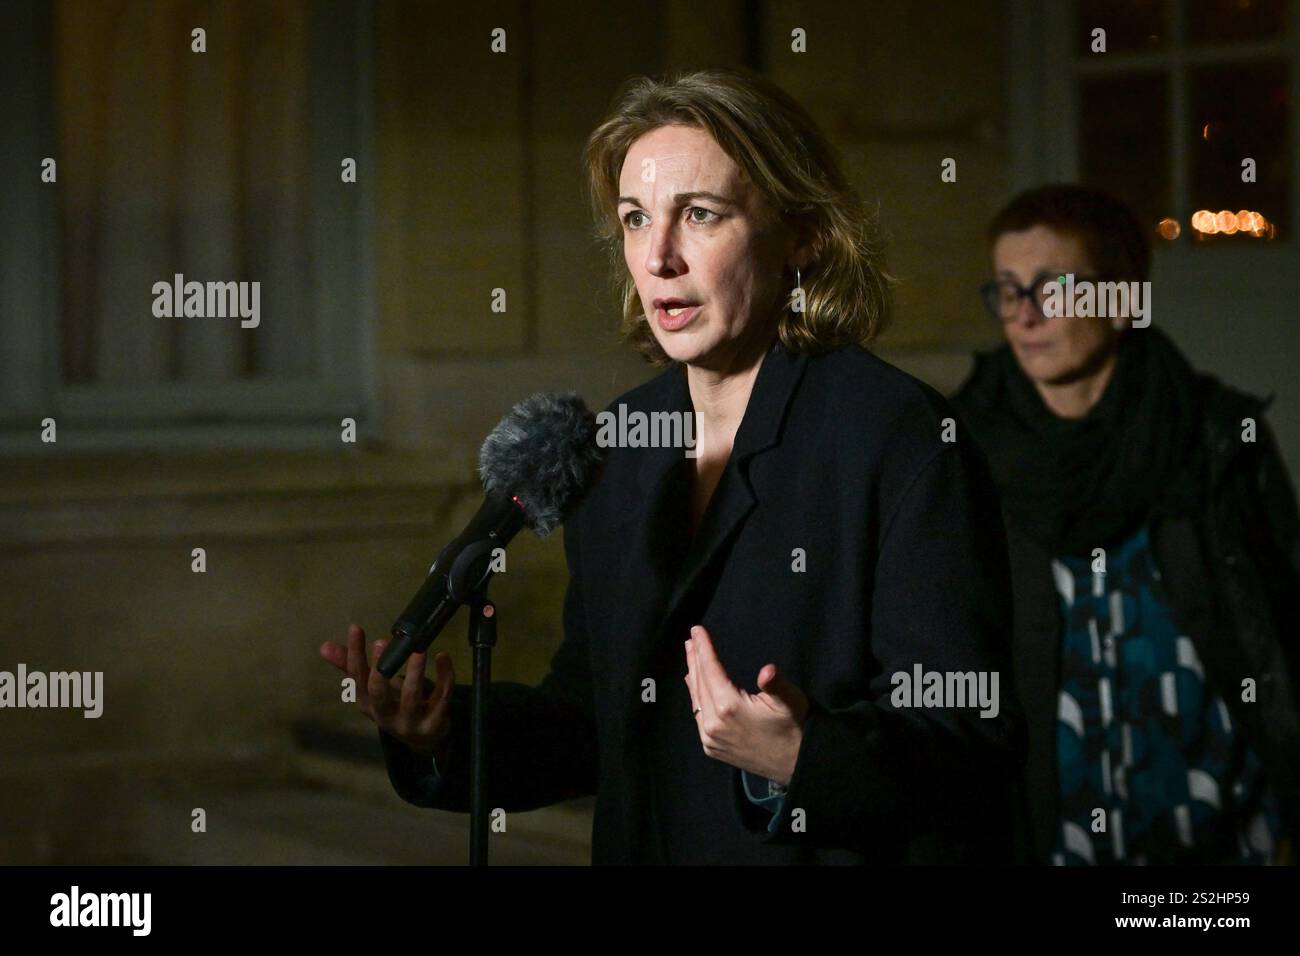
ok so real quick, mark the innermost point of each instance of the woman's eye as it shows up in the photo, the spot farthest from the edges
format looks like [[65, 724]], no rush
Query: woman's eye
[[627, 220], [709, 214]]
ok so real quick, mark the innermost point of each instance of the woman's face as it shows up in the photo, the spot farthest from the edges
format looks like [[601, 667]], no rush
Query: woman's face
[[1057, 350], [704, 251]]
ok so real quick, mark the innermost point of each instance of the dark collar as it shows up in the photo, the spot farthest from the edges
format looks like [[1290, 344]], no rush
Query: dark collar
[[760, 428], [666, 569]]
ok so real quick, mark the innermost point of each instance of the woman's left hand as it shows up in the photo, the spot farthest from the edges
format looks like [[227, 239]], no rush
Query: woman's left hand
[[759, 733]]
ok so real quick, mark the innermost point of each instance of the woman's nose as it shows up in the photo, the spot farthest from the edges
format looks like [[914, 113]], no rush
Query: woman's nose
[[662, 258], [1027, 311]]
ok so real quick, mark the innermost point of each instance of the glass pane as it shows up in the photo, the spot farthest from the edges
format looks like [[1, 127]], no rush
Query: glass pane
[[177, 164], [1130, 25], [1240, 111], [1232, 21], [1125, 151]]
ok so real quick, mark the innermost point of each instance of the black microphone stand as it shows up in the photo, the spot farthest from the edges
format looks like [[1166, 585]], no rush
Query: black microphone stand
[[469, 577], [482, 638], [470, 557]]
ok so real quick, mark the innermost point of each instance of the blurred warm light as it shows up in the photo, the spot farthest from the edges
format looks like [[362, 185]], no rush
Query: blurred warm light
[[1205, 131], [1169, 228], [1226, 222]]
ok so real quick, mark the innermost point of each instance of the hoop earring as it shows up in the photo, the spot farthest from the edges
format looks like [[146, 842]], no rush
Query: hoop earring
[[796, 293]]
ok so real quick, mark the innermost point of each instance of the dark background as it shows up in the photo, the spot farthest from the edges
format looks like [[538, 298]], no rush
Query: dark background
[[176, 434]]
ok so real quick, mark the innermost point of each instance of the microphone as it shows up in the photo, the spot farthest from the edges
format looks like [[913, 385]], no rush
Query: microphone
[[536, 466]]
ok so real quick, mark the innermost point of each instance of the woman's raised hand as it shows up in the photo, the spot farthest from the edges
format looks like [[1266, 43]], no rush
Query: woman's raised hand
[[411, 708]]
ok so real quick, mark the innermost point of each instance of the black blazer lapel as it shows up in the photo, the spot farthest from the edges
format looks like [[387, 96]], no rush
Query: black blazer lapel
[[663, 527]]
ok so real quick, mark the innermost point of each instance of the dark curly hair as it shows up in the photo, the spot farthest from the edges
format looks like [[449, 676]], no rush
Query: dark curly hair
[[1111, 234]]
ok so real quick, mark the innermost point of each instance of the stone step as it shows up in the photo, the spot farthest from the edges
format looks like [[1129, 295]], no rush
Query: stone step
[[338, 808], [304, 825]]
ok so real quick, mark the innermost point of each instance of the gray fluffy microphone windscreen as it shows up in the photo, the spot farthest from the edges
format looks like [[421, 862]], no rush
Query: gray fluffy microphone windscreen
[[544, 453]]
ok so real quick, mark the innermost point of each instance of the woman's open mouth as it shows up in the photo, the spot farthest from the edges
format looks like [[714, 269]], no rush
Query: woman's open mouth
[[675, 317]]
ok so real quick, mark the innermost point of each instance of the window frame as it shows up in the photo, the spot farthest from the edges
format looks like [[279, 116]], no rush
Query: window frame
[[1043, 103], [261, 413]]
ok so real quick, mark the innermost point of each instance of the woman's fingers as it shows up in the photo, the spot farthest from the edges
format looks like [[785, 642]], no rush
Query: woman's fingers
[[335, 654], [410, 707], [692, 679], [434, 719], [444, 675], [716, 692], [358, 670], [413, 684], [383, 699]]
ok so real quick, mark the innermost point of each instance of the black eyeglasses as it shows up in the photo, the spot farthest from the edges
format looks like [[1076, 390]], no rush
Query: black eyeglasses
[[1002, 296]]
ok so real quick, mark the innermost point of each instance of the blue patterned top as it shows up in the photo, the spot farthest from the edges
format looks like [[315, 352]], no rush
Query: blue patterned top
[[1151, 766], [767, 794]]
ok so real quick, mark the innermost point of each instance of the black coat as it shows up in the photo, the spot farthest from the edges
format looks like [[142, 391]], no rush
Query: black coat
[[840, 455], [1232, 571]]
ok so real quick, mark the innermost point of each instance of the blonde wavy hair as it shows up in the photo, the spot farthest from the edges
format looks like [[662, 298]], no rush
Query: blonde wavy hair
[[780, 149]]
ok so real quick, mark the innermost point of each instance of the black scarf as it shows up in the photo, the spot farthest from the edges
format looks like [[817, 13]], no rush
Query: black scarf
[[1077, 484]]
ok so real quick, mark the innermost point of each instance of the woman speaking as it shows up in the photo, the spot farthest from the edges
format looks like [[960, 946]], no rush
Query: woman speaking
[[790, 648]]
